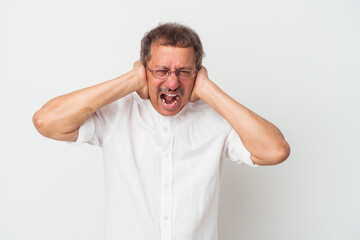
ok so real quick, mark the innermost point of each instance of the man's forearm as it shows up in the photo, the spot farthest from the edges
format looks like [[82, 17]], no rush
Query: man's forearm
[[263, 140], [61, 117]]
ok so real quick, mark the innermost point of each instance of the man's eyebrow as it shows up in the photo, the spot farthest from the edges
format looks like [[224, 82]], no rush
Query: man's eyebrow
[[180, 68], [159, 66]]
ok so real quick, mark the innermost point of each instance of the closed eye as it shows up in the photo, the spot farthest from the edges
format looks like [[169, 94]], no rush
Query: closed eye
[[161, 72]]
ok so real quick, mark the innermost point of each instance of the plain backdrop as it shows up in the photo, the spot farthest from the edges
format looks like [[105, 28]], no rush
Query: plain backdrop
[[296, 63]]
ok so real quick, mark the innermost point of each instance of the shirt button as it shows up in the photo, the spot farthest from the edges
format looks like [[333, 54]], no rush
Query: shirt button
[[167, 155], [165, 129], [166, 217], [166, 185]]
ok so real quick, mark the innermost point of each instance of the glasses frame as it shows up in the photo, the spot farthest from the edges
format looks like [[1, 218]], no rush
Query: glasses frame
[[168, 74]]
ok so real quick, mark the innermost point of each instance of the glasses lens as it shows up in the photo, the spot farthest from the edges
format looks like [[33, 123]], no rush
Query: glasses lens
[[161, 73], [185, 73]]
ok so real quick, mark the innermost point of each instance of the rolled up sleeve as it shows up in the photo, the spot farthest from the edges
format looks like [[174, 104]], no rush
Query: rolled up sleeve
[[89, 132], [236, 151]]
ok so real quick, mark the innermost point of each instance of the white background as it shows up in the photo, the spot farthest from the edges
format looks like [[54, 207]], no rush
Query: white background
[[296, 63]]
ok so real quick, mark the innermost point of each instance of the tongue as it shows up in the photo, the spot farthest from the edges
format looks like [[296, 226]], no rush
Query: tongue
[[168, 98]]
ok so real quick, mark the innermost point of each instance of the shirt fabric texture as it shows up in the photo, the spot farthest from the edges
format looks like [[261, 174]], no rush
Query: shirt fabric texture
[[162, 173]]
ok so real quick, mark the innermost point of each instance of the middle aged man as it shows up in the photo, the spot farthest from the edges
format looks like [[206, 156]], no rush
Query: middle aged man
[[163, 151]]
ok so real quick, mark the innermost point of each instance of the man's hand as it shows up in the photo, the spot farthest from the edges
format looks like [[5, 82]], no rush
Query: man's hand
[[140, 76], [201, 81]]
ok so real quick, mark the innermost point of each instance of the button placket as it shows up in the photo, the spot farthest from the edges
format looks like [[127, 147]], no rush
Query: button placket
[[166, 178]]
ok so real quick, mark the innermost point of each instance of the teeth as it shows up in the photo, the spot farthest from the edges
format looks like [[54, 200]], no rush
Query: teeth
[[163, 100], [170, 95]]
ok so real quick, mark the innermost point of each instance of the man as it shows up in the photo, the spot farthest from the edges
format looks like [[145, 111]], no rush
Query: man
[[164, 150]]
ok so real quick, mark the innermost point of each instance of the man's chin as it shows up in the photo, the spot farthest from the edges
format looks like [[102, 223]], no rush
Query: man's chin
[[167, 109], [168, 112]]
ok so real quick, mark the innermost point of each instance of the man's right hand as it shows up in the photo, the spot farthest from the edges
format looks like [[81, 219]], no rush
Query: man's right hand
[[140, 75]]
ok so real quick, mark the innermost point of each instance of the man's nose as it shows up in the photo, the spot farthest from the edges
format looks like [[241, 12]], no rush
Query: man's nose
[[172, 82]]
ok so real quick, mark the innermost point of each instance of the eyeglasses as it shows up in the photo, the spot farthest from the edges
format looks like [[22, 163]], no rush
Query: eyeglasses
[[164, 73]]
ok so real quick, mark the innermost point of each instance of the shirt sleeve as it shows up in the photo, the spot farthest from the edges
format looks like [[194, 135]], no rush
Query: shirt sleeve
[[236, 151], [90, 131]]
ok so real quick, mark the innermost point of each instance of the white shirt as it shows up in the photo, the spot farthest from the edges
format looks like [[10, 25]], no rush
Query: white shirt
[[162, 173]]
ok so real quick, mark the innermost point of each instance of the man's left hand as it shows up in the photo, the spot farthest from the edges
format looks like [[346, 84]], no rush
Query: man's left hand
[[201, 81]]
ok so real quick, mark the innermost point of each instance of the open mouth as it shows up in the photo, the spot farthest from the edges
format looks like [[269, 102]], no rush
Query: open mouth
[[169, 99]]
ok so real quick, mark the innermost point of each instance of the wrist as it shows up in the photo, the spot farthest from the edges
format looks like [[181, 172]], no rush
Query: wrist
[[134, 81], [205, 89]]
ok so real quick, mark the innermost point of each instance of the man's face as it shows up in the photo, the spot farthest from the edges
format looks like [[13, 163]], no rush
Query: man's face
[[169, 96]]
